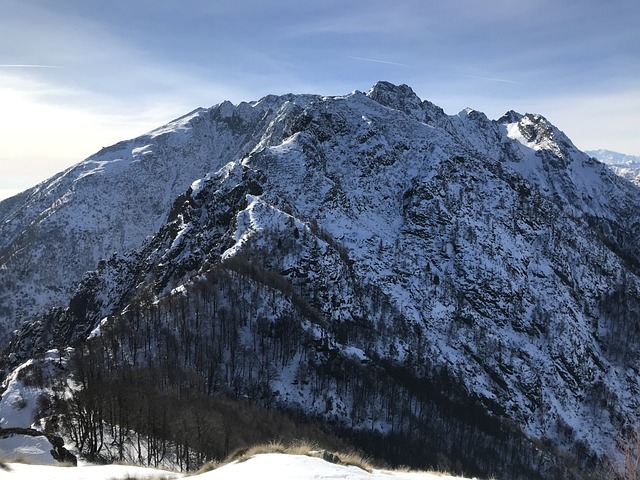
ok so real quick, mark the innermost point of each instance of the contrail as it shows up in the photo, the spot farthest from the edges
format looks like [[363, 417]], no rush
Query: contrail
[[378, 61], [491, 79], [27, 65]]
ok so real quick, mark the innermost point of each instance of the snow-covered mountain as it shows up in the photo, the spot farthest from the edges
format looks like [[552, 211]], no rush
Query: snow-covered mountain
[[613, 158], [52, 234], [467, 283], [627, 166]]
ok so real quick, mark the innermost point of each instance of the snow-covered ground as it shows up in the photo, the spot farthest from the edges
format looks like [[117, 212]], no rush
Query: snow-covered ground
[[19, 401], [264, 467], [19, 471], [34, 450]]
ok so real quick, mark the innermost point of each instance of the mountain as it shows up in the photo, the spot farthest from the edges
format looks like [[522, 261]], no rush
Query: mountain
[[437, 289], [52, 234], [627, 166], [613, 158]]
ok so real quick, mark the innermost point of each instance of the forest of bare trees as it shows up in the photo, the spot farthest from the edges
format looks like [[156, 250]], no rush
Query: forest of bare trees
[[190, 377]]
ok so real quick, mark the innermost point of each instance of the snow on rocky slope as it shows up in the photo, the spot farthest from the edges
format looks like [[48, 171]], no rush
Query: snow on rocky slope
[[51, 234], [493, 251]]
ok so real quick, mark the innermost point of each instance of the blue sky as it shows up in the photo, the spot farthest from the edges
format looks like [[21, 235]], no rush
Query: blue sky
[[77, 75]]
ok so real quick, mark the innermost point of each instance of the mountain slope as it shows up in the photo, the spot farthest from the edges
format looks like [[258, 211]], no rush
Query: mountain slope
[[53, 233], [441, 276]]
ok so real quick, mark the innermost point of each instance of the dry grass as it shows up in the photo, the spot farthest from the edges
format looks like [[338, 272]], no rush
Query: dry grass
[[4, 463], [18, 459], [404, 469], [130, 463], [356, 460], [294, 448], [207, 467], [435, 473], [301, 448], [134, 477]]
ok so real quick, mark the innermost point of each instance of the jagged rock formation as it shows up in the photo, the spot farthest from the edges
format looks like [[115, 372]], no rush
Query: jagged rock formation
[[443, 274]]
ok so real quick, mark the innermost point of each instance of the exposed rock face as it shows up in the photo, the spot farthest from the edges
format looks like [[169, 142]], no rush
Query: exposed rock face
[[491, 254]]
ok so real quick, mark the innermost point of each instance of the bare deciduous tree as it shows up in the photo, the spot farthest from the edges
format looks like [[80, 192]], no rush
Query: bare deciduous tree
[[625, 465]]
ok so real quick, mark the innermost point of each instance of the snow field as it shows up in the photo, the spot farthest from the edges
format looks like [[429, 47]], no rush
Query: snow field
[[270, 466]]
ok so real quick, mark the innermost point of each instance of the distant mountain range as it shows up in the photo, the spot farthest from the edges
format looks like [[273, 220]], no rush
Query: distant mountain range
[[627, 166], [435, 288]]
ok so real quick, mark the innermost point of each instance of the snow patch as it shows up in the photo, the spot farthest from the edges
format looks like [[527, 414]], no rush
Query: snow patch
[[35, 450]]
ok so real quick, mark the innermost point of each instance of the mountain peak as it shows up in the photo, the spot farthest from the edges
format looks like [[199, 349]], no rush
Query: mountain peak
[[384, 86], [536, 132], [510, 117], [399, 97]]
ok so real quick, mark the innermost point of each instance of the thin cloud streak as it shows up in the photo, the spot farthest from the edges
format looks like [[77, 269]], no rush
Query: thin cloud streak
[[378, 61], [502, 80], [30, 65]]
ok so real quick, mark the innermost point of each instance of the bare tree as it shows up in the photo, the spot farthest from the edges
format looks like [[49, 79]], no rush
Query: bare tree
[[625, 465]]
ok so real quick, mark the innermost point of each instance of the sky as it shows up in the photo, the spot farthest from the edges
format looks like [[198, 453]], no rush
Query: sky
[[79, 75]]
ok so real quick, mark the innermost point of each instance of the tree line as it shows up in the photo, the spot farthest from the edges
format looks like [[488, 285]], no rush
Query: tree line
[[188, 378]]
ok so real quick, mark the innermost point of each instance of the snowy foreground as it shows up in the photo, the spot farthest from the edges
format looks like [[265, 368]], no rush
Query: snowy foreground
[[265, 467]]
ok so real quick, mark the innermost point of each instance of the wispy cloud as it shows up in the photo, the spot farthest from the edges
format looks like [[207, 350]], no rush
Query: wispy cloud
[[491, 79], [27, 65], [378, 61]]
